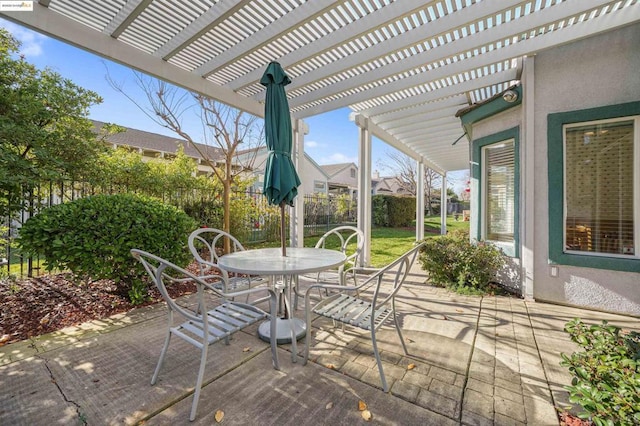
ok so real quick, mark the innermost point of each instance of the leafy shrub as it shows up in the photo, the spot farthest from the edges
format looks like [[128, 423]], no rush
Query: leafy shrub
[[454, 262], [606, 375], [92, 237], [392, 211]]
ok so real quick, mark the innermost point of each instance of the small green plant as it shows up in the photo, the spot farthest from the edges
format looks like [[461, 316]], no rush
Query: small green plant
[[454, 262], [92, 237], [606, 374]]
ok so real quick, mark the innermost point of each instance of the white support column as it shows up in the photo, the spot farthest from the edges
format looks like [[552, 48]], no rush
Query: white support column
[[296, 213], [420, 201], [443, 205], [364, 187], [527, 180]]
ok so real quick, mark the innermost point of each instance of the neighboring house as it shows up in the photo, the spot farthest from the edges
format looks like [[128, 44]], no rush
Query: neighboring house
[[153, 145], [312, 177], [386, 185], [342, 177], [555, 177]]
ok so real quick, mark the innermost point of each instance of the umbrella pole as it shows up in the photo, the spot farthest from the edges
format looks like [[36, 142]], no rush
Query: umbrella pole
[[283, 234]]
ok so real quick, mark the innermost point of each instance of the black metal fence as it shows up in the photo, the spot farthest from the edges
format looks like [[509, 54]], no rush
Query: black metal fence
[[253, 222]]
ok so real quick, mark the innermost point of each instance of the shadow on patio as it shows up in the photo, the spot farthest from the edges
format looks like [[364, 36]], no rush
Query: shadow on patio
[[477, 360]]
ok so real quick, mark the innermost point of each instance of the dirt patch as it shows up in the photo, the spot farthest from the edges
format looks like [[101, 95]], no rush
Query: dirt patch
[[48, 303]]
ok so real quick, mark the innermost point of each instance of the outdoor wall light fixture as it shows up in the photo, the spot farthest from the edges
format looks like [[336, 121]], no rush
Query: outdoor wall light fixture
[[510, 96]]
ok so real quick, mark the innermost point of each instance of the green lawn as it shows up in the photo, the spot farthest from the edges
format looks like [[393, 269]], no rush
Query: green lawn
[[388, 244]]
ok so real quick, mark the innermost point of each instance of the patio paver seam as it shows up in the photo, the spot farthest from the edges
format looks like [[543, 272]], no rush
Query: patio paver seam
[[542, 364], [468, 369]]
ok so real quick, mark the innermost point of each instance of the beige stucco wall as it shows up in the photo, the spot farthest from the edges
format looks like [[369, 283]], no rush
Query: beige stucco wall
[[595, 72], [599, 71], [344, 176], [308, 173]]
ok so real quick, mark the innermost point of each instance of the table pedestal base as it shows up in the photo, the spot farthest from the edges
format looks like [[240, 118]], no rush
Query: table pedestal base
[[283, 330]]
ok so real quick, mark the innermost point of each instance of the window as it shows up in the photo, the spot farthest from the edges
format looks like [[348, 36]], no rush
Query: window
[[353, 173], [499, 192], [319, 186], [599, 188], [495, 166], [594, 187]]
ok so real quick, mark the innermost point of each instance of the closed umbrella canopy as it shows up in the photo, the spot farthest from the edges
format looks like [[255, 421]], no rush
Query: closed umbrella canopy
[[280, 178]]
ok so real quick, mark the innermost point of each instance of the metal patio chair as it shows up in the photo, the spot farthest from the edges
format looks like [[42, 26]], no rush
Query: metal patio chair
[[367, 311], [205, 245], [350, 242], [203, 326]]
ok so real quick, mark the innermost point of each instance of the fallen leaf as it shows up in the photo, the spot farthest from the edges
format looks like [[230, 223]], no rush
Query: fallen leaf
[[444, 317], [411, 366], [366, 414], [362, 405], [219, 416], [329, 406], [247, 349], [409, 340], [331, 366], [459, 310]]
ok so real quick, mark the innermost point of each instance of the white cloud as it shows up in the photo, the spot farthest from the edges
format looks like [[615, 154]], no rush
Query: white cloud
[[311, 144], [31, 41]]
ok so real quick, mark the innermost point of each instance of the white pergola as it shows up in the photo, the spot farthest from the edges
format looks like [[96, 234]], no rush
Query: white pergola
[[403, 67]]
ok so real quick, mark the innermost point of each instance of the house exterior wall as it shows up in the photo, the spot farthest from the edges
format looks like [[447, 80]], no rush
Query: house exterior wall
[[345, 177], [311, 177], [595, 72], [309, 174]]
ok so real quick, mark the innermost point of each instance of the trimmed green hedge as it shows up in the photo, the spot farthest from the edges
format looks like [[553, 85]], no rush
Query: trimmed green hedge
[[92, 237], [393, 211]]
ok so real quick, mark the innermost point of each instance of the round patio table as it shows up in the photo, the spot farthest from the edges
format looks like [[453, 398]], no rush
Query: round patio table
[[269, 261]]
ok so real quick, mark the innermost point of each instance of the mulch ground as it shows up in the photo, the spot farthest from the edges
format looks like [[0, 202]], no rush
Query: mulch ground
[[36, 306]]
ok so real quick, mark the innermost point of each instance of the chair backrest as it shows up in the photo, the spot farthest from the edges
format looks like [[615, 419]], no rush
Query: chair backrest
[[207, 244], [163, 273], [394, 274], [350, 239]]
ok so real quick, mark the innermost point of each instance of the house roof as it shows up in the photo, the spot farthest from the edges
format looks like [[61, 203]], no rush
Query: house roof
[[156, 142], [333, 169], [403, 67]]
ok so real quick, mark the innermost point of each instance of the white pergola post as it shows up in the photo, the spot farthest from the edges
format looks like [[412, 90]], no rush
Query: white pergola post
[[420, 201], [443, 205], [296, 213], [527, 179], [364, 187]]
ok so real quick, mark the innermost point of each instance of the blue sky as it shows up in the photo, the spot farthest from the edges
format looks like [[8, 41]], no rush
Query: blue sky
[[332, 137]]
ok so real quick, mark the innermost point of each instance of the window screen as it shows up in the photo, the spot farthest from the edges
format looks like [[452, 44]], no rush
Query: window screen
[[599, 188], [499, 184]]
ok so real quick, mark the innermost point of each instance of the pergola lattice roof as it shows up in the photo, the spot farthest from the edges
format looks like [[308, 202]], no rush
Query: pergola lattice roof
[[406, 65]]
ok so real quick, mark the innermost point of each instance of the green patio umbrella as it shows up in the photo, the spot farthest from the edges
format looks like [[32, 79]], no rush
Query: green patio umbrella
[[280, 178]]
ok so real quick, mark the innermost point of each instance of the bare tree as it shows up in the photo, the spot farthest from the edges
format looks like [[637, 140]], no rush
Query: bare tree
[[405, 171], [229, 137]]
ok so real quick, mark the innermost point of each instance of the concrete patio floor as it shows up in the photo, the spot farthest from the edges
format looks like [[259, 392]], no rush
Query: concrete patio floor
[[478, 361]]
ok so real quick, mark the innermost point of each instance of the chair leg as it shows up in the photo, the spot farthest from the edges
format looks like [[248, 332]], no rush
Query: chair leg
[[163, 352], [385, 387], [196, 395], [399, 330], [307, 336]]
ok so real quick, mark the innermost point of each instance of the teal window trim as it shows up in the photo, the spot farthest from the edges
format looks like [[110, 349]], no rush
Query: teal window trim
[[555, 171], [477, 173]]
